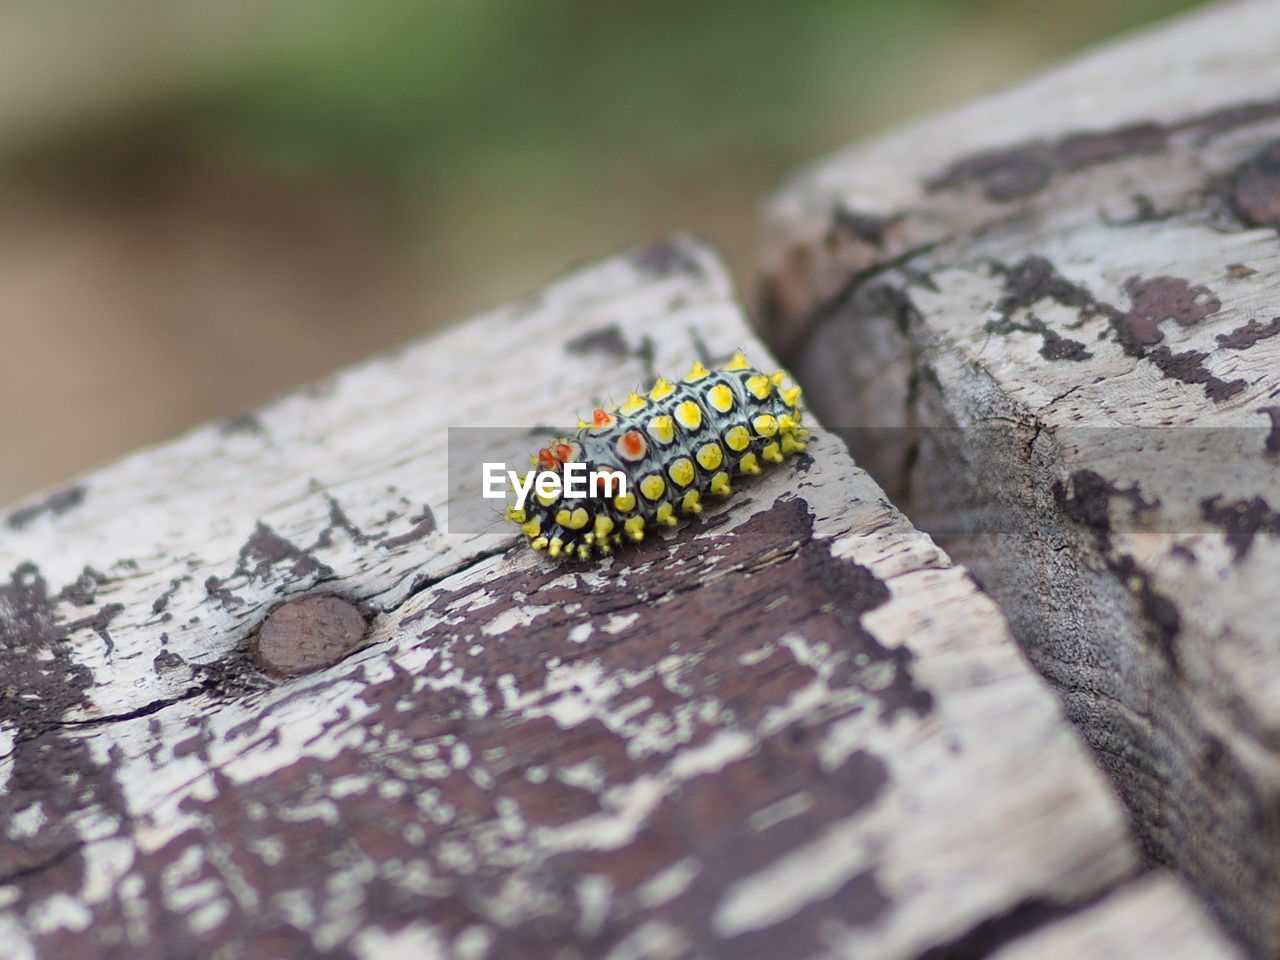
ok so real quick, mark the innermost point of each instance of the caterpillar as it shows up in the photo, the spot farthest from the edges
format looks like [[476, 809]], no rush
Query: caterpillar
[[675, 446]]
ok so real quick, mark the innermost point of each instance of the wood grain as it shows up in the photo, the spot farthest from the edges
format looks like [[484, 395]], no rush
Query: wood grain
[[1047, 323], [794, 728]]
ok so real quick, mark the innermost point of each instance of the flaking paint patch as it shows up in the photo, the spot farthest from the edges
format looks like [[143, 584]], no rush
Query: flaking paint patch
[[1017, 171], [652, 940], [26, 822], [619, 622], [416, 940], [52, 505], [817, 693], [1242, 338], [14, 937], [595, 896], [58, 912], [627, 808], [575, 692], [607, 340], [667, 884], [1241, 520], [209, 917], [512, 618], [784, 809], [723, 748], [325, 811], [810, 873], [473, 943], [106, 862], [1188, 366], [1155, 300], [752, 657]]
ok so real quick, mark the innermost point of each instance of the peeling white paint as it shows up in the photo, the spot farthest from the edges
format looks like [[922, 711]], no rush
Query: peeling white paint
[[620, 621], [60, 911], [105, 863], [14, 938], [208, 918], [355, 783], [595, 894], [784, 809], [723, 748], [26, 822], [296, 907], [806, 875], [665, 885], [511, 618], [652, 940], [324, 810], [627, 809], [7, 736], [473, 943], [414, 942], [752, 657]]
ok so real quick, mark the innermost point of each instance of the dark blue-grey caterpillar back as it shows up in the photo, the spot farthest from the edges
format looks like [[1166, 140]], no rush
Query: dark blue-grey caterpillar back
[[677, 445]]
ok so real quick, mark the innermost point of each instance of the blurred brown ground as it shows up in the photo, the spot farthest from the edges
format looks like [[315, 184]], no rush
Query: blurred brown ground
[[154, 274]]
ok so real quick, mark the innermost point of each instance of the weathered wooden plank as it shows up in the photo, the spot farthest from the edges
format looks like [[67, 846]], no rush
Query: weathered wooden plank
[[1153, 917], [793, 729], [1047, 321]]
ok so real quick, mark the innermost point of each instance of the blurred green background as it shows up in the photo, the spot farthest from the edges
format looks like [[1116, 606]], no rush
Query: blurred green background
[[203, 205]]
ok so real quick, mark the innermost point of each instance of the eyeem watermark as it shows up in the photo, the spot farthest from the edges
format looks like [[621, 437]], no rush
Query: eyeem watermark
[[574, 480], [1127, 479]]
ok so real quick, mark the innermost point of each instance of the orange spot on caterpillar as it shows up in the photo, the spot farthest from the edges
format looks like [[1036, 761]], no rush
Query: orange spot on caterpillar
[[632, 444], [602, 417], [556, 456]]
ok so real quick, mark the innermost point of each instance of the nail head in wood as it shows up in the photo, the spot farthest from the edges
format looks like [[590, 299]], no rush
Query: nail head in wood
[[307, 634], [1257, 190]]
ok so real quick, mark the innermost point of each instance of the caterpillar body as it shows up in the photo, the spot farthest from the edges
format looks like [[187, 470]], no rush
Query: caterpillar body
[[676, 445]]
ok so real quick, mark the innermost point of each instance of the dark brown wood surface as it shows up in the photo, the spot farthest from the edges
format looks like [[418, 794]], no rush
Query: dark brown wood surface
[[790, 729]]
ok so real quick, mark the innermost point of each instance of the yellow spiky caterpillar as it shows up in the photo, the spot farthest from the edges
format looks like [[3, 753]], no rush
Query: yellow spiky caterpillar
[[677, 444]]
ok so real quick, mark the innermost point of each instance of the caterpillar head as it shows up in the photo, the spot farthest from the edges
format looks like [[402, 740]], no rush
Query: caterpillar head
[[555, 456]]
